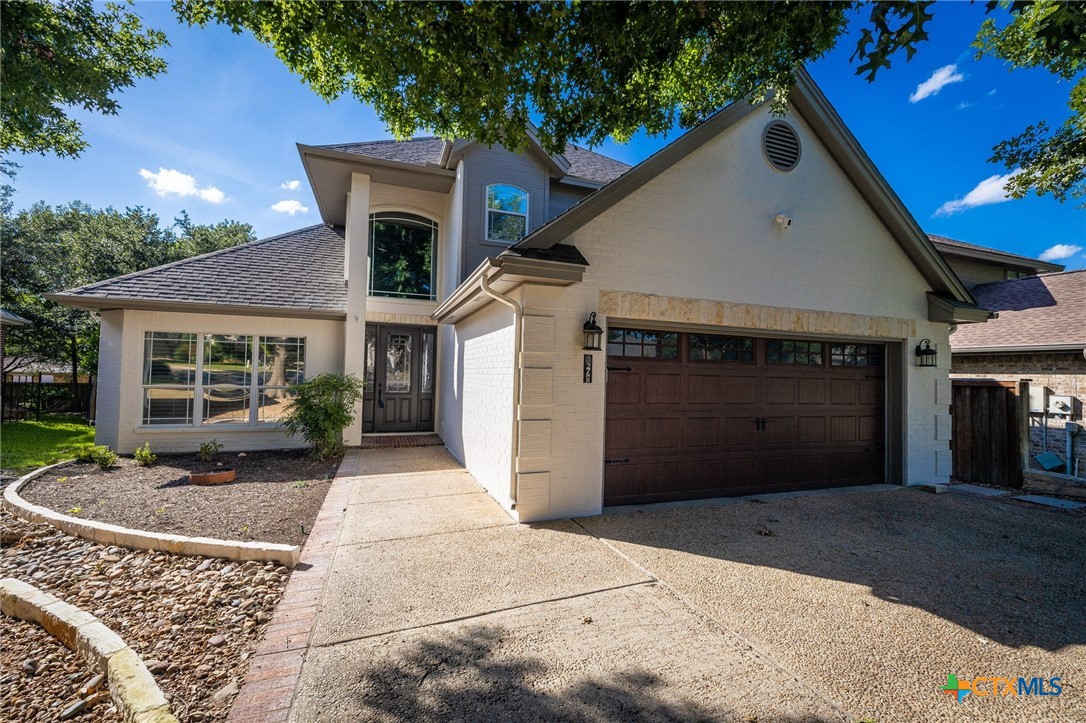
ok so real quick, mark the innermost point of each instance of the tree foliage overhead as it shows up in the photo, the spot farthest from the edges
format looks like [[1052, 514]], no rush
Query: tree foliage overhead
[[62, 54], [591, 70]]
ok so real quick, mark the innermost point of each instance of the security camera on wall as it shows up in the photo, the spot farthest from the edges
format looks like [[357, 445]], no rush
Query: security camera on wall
[[782, 220]]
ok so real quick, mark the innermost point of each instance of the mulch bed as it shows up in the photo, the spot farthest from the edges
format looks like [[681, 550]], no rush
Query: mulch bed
[[275, 498]]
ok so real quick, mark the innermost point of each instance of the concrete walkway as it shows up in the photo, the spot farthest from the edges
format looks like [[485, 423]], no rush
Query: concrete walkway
[[436, 606]]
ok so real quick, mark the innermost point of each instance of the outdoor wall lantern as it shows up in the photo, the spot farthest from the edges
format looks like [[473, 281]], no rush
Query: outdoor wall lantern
[[925, 355], [593, 334]]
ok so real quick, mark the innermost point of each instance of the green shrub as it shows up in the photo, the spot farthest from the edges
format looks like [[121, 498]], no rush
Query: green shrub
[[101, 455], [322, 408], [144, 456], [209, 449]]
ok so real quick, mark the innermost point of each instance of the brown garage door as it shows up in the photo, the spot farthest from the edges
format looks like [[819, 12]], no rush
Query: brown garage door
[[704, 415]]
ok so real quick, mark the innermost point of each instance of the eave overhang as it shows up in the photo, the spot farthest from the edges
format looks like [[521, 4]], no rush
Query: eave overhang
[[504, 273], [1041, 267], [951, 311], [1018, 348], [101, 303], [329, 173]]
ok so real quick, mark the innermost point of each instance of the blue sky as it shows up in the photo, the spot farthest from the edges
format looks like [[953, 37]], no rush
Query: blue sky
[[216, 136]]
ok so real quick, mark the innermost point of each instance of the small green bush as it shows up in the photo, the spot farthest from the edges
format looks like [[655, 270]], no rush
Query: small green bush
[[144, 456], [101, 455], [209, 449], [104, 457], [323, 407]]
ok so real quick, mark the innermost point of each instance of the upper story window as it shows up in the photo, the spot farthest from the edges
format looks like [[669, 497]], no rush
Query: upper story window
[[402, 256], [506, 213]]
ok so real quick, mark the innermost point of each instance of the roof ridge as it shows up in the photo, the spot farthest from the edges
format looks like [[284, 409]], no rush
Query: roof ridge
[[179, 262], [387, 140]]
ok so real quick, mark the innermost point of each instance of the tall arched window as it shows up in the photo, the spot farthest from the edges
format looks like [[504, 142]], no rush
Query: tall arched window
[[506, 213], [402, 256]]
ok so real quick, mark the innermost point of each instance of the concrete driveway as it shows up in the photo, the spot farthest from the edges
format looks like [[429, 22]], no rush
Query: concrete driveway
[[820, 608]]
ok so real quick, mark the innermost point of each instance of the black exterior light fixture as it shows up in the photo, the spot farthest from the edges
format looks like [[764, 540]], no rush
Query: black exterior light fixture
[[593, 334], [925, 355]]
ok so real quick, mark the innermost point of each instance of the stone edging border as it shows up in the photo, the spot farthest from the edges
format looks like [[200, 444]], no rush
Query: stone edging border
[[107, 534], [131, 686]]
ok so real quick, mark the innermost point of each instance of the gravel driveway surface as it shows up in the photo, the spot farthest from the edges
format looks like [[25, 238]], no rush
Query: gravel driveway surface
[[874, 598]]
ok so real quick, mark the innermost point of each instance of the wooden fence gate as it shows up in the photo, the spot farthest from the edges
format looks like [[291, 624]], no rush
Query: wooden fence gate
[[985, 441]]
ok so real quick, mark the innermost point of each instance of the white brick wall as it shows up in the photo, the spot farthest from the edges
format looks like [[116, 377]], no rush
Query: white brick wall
[[476, 396], [704, 229]]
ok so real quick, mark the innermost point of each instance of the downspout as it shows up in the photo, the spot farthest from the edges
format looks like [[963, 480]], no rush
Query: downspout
[[518, 344]]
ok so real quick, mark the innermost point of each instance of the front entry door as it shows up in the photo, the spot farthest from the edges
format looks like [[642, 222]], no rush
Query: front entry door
[[400, 397]]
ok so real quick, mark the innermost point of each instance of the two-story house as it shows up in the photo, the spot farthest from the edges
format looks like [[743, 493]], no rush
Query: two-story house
[[772, 317]]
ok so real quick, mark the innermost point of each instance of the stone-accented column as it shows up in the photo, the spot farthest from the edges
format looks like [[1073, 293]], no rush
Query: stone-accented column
[[356, 276]]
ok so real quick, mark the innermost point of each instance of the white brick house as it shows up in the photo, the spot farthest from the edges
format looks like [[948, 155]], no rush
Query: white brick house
[[760, 287]]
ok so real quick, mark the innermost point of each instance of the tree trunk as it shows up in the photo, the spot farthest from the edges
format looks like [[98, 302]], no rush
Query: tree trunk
[[278, 376], [73, 346]]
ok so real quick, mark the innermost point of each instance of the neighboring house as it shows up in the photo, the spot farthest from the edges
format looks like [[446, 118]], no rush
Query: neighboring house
[[982, 265], [761, 290], [1040, 335]]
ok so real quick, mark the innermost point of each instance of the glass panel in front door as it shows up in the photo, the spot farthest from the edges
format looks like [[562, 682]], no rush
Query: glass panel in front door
[[398, 365]]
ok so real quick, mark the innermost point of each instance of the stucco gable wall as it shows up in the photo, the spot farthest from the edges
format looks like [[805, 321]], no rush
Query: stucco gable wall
[[704, 229]]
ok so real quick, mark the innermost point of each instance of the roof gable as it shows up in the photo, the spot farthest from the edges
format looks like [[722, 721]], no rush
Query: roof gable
[[816, 110], [300, 272]]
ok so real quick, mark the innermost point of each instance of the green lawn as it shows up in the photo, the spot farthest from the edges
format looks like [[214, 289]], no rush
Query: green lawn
[[26, 445]]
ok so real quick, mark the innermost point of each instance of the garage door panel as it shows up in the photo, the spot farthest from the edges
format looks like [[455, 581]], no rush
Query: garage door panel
[[780, 390], [663, 433], [740, 432], [621, 484], [741, 389], [843, 429], [662, 388], [871, 429], [704, 389], [623, 388], [703, 432], [811, 429], [843, 391], [870, 391], [623, 434], [812, 391], [778, 430]]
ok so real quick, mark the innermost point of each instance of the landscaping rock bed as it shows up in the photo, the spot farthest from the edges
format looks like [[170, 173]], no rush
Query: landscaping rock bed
[[275, 499], [194, 621], [41, 680]]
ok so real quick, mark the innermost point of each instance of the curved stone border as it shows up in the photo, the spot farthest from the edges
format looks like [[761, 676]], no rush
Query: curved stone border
[[132, 687], [107, 534]]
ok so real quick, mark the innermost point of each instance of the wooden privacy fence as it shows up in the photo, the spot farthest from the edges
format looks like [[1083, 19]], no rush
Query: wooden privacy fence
[[986, 441]]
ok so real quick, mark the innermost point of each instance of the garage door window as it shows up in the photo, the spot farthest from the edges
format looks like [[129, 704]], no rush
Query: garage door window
[[642, 344], [787, 351], [856, 355], [711, 347]]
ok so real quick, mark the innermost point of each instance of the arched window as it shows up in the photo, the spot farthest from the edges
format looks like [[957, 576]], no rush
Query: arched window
[[402, 256], [506, 213]]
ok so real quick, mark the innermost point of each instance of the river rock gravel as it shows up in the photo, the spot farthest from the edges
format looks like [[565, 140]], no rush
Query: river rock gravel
[[195, 621]]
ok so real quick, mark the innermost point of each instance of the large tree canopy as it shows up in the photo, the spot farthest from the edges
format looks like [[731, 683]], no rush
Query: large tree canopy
[[590, 70], [62, 54], [47, 249]]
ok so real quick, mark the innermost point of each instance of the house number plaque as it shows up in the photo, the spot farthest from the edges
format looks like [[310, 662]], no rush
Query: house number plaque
[[587, 368]]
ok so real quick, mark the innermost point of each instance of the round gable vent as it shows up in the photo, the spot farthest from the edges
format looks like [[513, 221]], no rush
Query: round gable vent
[[780, 145]]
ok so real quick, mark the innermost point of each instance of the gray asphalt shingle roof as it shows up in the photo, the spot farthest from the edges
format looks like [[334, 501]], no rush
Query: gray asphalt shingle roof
[[301, 269], [1048, 309], [426, 151]]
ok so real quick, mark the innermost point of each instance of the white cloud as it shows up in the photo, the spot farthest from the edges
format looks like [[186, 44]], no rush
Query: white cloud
[[965, 104], [290, 185], [1059, 251], [168, 181], [292, 207], [989, 191], [939, 79]]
